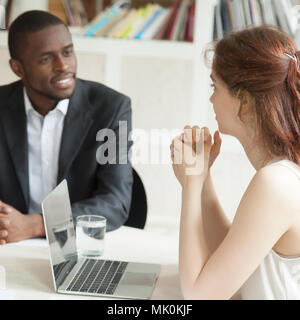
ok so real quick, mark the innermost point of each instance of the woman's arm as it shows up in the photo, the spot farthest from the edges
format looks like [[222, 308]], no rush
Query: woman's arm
[[216, 224], [266, 212], [268, 209], [193, 249]]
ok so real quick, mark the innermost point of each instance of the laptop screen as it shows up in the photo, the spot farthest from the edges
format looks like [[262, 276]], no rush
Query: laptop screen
[[60, 231]]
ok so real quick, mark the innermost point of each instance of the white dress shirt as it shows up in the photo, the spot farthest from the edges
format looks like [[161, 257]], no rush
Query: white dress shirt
[[44, 139]]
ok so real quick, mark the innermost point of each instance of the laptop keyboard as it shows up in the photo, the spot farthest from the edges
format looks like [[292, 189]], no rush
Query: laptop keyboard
[[62, 270], [98, 276]]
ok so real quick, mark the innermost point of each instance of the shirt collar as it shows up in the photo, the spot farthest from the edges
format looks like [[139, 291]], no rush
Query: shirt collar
[[62, 105]]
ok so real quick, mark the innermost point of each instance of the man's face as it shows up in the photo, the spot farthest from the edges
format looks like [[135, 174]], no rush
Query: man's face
[[49, 64]]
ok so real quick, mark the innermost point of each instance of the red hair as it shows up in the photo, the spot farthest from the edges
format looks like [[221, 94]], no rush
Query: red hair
[[264, 62]]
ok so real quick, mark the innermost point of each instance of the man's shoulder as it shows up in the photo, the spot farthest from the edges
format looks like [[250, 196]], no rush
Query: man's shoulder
[[9, 92], [96, 92], [8, 89]]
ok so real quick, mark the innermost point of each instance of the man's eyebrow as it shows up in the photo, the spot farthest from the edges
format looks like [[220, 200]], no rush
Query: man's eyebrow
[[69, 46], [212, 78]]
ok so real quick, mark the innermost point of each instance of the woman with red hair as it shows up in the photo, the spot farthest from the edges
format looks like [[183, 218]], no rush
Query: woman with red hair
[[256, 98]]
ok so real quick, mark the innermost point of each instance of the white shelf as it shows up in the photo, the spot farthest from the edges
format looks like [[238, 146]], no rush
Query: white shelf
[[150, 48]]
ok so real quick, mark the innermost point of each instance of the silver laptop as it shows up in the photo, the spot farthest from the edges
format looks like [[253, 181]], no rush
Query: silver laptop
[[73, 274]]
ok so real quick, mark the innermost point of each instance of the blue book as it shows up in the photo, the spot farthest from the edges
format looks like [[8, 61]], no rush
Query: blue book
[[148, 23], [95, 27], [225, 17]]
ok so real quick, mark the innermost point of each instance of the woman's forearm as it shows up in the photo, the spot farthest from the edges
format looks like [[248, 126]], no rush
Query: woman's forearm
[[193, 251], [216, 224]]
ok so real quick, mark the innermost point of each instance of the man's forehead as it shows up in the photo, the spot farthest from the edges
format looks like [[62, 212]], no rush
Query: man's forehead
[[49, 39]]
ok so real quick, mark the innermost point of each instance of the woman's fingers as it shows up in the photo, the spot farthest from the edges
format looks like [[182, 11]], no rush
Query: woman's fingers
[[217, 143], [194, 136], [176, 146], [217, 138], [215, 149], [188, 135]]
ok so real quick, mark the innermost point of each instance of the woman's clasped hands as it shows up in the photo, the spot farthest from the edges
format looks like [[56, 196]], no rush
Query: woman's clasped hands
[[193, 152]]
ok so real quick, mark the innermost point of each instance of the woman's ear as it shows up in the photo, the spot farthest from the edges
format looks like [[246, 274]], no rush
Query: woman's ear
[[245, 105], [17, 68]]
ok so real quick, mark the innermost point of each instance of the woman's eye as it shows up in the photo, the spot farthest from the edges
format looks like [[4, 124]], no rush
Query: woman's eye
[[213, 86]]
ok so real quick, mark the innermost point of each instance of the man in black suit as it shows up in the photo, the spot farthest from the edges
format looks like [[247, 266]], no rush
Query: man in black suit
[[49, 122]]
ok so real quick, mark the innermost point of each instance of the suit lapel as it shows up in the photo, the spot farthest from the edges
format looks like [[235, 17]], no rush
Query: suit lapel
[[76, 126], [15, 128]]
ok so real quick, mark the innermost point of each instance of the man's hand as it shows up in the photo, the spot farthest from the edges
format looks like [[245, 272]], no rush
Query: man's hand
[[16, 226]]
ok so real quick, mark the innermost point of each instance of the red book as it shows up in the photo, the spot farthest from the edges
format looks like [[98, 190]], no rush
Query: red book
[[189, 35], [90, 9], [171, 29], [163, 32]]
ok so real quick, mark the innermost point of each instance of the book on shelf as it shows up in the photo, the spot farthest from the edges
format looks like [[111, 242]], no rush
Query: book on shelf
[[237, 14], [152, 16], [56, 7], [128, 27], [180, 21], [123, 19], [268, 14], [145, 22], [4, 7], [172, 22], [165, 25], [167, 28], [17, 7], [123, 25], [189, 36], [143, 15], [91, 8], [155, 26], [247, 12], [258, 12], [105, 29], [225, 16], [229, 13], [103, 20], [218, 27], [234, 15], [288, 18]]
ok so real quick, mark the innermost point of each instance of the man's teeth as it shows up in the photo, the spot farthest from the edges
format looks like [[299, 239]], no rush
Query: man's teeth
[[64, 81]]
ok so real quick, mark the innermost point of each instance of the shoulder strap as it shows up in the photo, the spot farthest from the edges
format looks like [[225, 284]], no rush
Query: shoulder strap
[[289, 164]]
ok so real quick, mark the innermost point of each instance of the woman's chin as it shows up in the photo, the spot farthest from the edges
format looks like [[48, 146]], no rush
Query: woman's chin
[[221, 129], [219, 126]]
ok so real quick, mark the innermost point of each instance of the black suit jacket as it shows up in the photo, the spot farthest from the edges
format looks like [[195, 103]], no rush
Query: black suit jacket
[[93, 188]]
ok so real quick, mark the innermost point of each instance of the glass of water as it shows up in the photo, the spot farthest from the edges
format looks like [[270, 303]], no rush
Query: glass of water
[[90, 231]]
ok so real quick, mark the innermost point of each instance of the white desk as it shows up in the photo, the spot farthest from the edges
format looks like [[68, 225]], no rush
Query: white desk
[[28, 273]]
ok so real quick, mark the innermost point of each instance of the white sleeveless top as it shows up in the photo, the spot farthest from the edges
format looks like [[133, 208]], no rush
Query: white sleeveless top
[[277, 277]]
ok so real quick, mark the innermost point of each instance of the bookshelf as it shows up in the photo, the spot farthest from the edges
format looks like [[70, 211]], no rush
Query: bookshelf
[[115, 49], [167, 81]]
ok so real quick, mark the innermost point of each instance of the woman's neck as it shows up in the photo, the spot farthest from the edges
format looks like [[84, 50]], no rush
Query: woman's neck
[[255, 151]]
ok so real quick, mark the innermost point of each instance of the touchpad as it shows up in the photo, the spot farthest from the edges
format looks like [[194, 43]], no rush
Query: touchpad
[[139, 279]]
